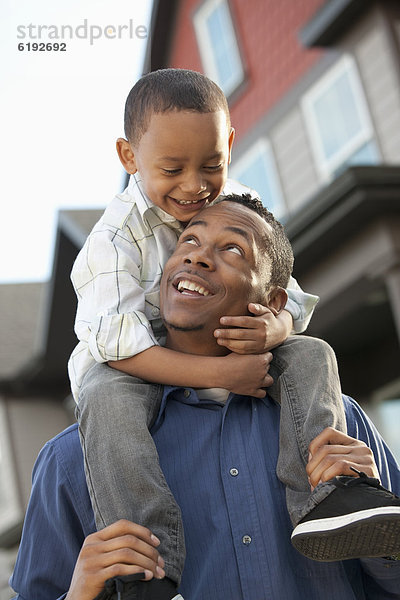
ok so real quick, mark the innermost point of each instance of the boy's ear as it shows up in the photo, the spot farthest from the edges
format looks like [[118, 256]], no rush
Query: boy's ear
[[126, 155], [230, 143], [276, 299]]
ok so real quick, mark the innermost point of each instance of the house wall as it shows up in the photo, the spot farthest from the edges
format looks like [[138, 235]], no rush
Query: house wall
[[279, 71], [371, 43], [377, 59], [273, 57]]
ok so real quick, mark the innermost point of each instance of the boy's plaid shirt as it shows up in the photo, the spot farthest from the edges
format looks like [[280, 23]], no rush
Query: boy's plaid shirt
[[116, 277]]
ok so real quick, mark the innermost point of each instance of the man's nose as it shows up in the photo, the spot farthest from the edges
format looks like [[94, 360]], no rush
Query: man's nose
[[193, 183], [200, 256]]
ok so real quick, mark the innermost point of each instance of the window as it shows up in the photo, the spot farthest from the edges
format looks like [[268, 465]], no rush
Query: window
[[217, 44], [256, 169], [386, 417], [338, 121], [384, 410]]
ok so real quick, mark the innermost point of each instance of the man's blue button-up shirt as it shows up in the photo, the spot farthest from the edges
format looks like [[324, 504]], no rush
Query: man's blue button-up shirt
[[219, 461]]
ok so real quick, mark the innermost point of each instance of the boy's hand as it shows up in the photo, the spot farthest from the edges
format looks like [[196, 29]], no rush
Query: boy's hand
[[247, 375], [123, 548], [333, 453], [254, 335]]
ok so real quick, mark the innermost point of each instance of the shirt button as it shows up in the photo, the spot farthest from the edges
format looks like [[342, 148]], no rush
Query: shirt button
[[186, 393], [234, 472], [246, 539], [155, 312]]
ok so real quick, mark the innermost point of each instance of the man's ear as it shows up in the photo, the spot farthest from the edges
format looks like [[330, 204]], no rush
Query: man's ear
[[230, 143], [276, 299], [126, 155]]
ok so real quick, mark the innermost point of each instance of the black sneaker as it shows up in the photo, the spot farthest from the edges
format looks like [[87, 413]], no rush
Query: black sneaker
[[132, 587], [358, 519]]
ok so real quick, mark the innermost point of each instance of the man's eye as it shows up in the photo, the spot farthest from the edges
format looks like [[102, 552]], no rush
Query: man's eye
[[189, 240], [234, 249]]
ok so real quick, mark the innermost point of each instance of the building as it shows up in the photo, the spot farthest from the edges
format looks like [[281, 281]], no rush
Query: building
[[37, 326], [314, 93]]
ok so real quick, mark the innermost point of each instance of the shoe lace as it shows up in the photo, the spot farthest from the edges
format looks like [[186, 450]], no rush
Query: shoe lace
[[363, 478]]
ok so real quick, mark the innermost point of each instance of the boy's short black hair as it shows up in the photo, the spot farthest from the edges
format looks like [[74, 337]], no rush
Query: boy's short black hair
[[278, 248], [170, 89]]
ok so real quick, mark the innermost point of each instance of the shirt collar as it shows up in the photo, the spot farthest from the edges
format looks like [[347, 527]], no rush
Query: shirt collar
[[189, 396], [145, 205]]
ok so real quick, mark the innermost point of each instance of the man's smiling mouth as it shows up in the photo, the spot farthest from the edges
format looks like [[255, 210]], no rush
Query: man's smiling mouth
[[185, 286]]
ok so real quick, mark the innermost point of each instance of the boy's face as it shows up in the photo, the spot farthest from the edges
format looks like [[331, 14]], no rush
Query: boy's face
[[183, 160]]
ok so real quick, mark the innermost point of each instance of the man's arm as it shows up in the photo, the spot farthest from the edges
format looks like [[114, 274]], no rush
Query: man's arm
[[363, 447], [58, 518], [60, 553]]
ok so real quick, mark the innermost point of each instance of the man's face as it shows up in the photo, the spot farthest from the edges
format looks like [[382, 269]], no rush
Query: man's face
[[218, 267], [183, 159]]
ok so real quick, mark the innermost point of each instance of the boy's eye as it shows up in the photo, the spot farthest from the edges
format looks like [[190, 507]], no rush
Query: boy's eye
[[171, 171], [214, 167]]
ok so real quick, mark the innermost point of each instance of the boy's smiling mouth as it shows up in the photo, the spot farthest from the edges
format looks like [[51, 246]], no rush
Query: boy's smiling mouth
[[190, 202]]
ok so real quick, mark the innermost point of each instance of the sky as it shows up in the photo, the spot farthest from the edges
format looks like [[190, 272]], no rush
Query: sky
[[60, 115]]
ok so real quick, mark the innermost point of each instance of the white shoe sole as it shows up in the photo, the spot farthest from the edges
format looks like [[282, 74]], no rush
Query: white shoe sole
[[366, 533], [333, 523]]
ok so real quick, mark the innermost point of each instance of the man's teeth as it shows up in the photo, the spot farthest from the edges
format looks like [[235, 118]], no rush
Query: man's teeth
[[192, 287]]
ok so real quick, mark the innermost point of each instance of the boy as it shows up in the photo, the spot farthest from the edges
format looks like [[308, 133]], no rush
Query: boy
[[177, 151]]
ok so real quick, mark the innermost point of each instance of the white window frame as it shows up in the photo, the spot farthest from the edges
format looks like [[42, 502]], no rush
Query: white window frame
[[11, 513], [261, 147], [206, 45], [327, 167]]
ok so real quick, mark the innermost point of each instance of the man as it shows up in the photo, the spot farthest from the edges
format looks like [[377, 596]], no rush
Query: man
[[218, 454]]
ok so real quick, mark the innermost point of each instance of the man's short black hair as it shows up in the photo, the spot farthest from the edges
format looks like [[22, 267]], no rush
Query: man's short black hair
[[166, 90], [277, 247]]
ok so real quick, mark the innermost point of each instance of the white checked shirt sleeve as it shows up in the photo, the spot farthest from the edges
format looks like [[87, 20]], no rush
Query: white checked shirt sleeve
[[300, 304], [116, 277], [111, 313]]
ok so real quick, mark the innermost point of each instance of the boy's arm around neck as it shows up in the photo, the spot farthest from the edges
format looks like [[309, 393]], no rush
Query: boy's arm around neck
[[242, 374]]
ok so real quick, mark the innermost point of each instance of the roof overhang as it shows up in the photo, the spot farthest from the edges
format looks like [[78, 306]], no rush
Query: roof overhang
[[342, 209], [331, 21]]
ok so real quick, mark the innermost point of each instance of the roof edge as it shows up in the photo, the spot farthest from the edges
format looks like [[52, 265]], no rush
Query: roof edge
[[330, 21]]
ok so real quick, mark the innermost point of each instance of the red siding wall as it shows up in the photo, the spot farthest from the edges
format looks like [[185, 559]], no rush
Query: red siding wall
[[273, 56]]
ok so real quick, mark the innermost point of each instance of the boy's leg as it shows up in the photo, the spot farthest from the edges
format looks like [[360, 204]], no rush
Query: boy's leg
[[345, 517], [307, 386], [122, 468]]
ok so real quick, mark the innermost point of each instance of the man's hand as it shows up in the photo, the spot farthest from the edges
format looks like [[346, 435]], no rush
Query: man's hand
[[123, 548], [254, 335], [333, 453], [247, 375]]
